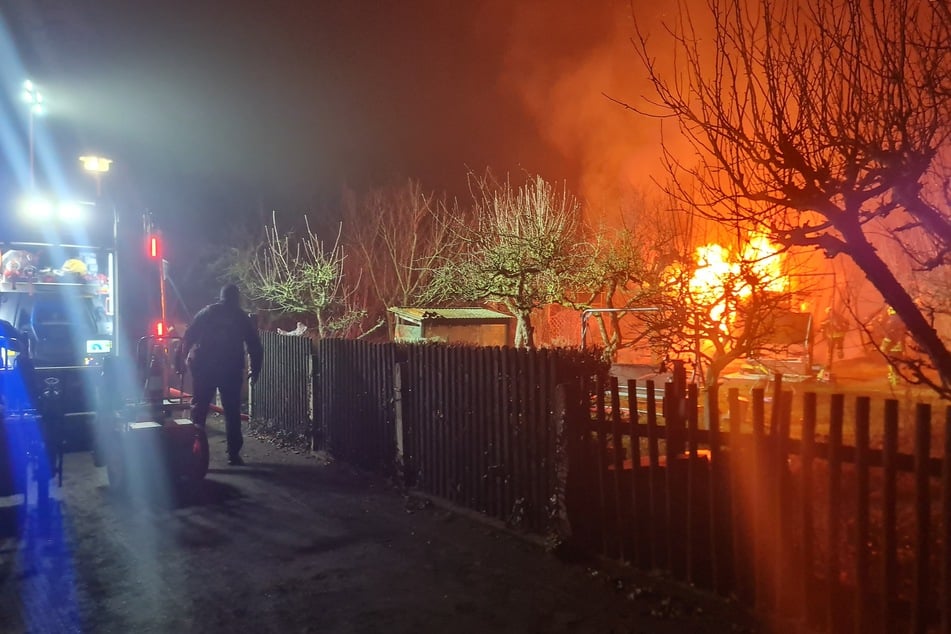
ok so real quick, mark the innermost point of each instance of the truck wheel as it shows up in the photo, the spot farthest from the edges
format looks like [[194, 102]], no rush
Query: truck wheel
[[199, 454]]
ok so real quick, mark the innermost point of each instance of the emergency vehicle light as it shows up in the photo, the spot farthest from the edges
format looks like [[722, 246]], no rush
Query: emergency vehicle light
[[159, 329], [38, 209], [154, 247]]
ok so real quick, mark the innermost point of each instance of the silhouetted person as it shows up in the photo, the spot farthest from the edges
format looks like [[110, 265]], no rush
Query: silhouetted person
[[214, 347], [834, 329], [893, 343]]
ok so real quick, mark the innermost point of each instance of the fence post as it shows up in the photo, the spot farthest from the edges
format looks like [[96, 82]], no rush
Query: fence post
[[565, 452], [675, 409], [403, 470]]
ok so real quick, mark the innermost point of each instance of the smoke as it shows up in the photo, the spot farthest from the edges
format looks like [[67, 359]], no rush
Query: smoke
[[574, 73]]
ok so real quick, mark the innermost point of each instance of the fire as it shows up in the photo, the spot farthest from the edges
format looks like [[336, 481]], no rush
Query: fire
[[708, 283], [721, 274], [766, 263]]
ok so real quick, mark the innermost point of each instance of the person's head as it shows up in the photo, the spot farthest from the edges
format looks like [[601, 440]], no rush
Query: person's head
[[230, 295]]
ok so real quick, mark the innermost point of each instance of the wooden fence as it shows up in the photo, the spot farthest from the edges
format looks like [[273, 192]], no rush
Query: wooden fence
[[282, 399], [478, 429], [471, 425], [353, 386], [800, 526], [838, 518]]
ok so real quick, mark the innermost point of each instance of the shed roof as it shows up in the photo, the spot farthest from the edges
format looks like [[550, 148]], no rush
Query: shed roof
[[450, 314]]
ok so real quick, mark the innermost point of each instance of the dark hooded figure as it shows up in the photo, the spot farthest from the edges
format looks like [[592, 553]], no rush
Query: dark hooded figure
[[214, 346]]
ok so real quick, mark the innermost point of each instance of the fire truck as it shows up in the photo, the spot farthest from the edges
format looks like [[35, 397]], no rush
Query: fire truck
[[81, 383], [58, 294], [58, 323]]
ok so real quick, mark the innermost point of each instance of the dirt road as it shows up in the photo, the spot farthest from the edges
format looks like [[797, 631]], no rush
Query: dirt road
[[290, 543]]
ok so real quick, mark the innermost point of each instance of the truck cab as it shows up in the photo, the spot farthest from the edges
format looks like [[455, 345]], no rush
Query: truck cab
[[65, 314]]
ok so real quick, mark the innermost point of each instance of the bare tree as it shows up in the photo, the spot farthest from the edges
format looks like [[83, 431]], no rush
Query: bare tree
[[627, 266], [523, 249], [298, 276], [394, 238], [823, 125]]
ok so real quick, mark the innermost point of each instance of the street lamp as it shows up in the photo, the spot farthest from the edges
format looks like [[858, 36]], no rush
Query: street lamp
[[35, 103], [97, 166]]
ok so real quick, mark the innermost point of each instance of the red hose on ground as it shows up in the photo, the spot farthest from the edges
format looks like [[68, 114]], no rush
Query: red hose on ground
[[179, 394]]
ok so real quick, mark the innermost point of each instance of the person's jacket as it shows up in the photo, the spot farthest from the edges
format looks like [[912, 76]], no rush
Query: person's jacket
[[217, 337]]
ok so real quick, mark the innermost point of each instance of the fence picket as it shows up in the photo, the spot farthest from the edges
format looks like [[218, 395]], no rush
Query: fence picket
[[833, 600], [919, 610], [690, 513], [672, 411], [738, 506], [618, 464], [551, 450], [600, 459], [715, 536], [759, 531], [807, 515], [532, 424], [890, 515], [781, 514], [497, 409], [862, 530], [445, 404], [506, 397], [478, 402], [637, 536], [944, 600], [652, 475]]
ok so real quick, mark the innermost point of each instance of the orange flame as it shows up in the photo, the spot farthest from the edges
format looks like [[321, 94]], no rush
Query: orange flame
[[717, 267]]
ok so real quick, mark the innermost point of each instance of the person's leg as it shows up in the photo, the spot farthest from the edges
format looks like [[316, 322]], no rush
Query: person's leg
[[230, 389], [203, 390]]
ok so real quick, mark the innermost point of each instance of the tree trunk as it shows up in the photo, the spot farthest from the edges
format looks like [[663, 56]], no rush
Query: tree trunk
[[897, 296], [524, 332], [714, 369]]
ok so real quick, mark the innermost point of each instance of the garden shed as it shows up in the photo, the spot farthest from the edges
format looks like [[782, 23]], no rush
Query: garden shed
[[480, 326]]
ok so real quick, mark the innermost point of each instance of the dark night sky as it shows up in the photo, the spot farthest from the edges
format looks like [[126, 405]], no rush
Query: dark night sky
[[219, 108]]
